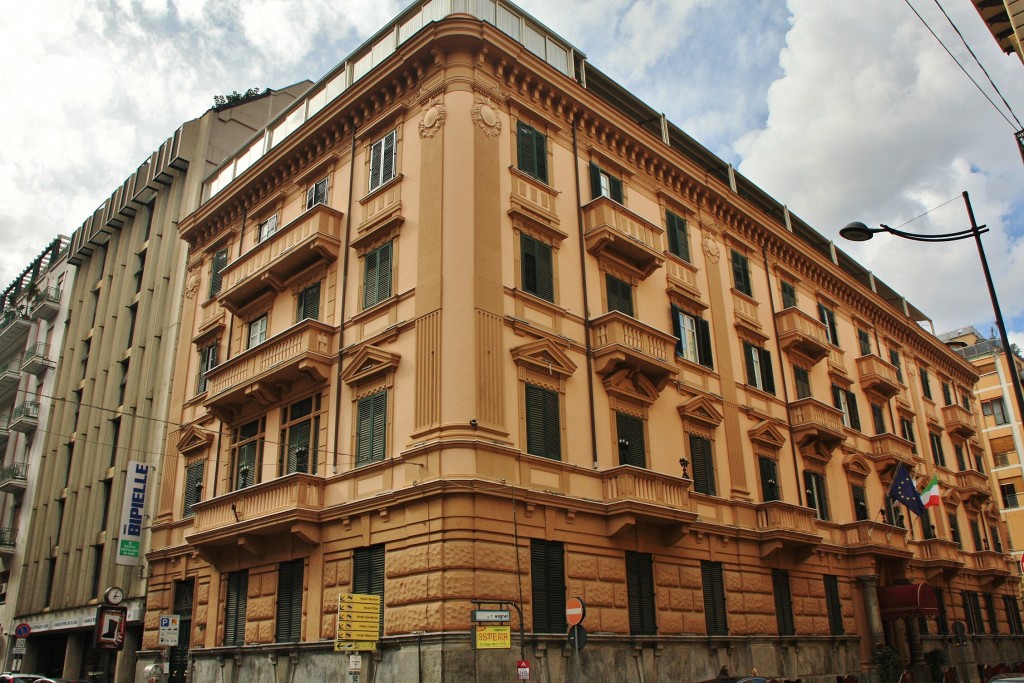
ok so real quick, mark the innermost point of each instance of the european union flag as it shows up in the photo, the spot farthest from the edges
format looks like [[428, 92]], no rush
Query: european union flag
[[904, 490]]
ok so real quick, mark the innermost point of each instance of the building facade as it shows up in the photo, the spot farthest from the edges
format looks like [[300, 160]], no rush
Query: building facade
[[471, 326], [1002, 431], [31, 332], [1005, 21], [111, 388]]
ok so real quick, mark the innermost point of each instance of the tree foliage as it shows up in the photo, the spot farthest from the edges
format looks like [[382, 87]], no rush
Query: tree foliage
[[237, 97]]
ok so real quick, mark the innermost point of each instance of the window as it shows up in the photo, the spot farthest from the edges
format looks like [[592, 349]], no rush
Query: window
[[965, 400], [1009, 493], [140, 269], [926, 384], [266, 228], [316, 194], [234, 610], [860, 503], [371, 428], [620, 295], [938, 456], [993, 533], [715, 616], [537, 273], [703, 461], [894, 359], [368, 575], [678, 239], [995, 408], [248, 449], [759, 367], [694, 337], [220, 260], [301, 426], [640, 594], [817, 496], [741, 273], [543, 423], [947, 394], [990, 610], [783, 602], [833, 605], [207, 362], [972, 612], [954, 528], [193, 486], [547, 579], [943, 623], [802, 380], [769, 470], [257, 331], [377, 275], [630, 431], [961, 461], [1013, 614], [976, 535], [383, 160], [864, 341], [788, 294], [307, 304], [604, 185], [845, 401], [828, 317], [878, 418], [907, 430], [532, 154], [927, 528], [289, 601]]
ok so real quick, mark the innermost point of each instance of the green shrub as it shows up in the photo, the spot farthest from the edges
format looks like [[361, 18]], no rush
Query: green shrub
[[888, 664]]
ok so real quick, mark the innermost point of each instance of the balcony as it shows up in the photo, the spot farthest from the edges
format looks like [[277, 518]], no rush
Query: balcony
[[10, 374], [14, 329], [255, 517], [46, 303], [37, 360], [638, 496], [621, 342], [5, 434], [878, 376], [785, 527], [25, 417], [868, 537], [938, 556], [802, 334], [973, 484], [610, 228], [816, 424], [8, 536], [14, 477], [262, 373], [314, 237], [889, 450], [993, 566], [959, 420]]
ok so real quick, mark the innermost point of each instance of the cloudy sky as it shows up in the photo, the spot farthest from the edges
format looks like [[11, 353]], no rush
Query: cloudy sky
[[843, 111]]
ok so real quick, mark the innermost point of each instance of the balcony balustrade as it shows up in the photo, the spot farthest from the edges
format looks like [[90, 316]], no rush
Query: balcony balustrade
[[620, 341], [786, 527], [814, 421], [875, 538], [993, 564], [10, 374], [959, 420], [610, 228], [37, 360], [973, 484], [305, 351], [938, 555], [14, 477], [8, 536], [25, 417], [801, 333], [878, 376], [46, 303], [635, 495], [14, 328], [5, 433], [889, 450], [314, 237]]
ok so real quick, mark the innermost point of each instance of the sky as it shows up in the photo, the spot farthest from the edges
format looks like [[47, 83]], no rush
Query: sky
[[842, 111]]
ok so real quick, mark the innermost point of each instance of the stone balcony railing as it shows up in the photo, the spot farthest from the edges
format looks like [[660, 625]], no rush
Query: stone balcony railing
[[609, 227], [813, 420], [877, 376], [873, 537], [621, 341], [959, 420], [802, 333]]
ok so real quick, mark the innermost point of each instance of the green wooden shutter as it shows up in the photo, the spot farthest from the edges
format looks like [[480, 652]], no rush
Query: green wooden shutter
[[298, 447], [943, 623], [288, 628], [595, 181], [220, 260], [245, 465], [860, 503], [703, 463], [741, 273], [388, 157], [767, 374], [537, 273], [543, 433], [620, 295], [788, 295], [193, 486], [678, 243], [376, 158], [640, 594], [851, 403], [309, 303], [615, 186], [833, 605], [769, 478], [947, 394], [368, 575], [547, 580], [783, 602], [715, 614], [371, 428], [630, 431], [748, 360], [527, 149], [704, 343], [377, 275], [677, 329], [235, 608]]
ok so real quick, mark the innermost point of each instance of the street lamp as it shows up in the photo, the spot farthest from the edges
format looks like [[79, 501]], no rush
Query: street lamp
[[858, 232]]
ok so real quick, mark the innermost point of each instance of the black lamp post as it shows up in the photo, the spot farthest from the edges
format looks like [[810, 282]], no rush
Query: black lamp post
[[858, 232]]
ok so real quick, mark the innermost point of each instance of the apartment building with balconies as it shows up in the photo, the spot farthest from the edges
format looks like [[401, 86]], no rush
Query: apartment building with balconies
[[101, 453], [470, 325]]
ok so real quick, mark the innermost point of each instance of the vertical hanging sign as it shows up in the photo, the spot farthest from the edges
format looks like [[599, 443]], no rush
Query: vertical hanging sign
[[129, 543]]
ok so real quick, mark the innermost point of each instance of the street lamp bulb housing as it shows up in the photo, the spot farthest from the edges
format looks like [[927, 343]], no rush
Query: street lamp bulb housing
[[857, 232]]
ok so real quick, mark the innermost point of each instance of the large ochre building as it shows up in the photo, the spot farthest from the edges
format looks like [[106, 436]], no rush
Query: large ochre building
[[470, 326]]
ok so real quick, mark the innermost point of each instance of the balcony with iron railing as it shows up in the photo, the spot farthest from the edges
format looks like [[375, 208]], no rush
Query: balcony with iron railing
[[8, 537], [314, 237], [5, 433], [25, 417], [611, 228], [10, 374], [801, 333], [45, 303], [15, 325], [14, 477], [37, 359], [959, 420], [878, 376], [620, 341]]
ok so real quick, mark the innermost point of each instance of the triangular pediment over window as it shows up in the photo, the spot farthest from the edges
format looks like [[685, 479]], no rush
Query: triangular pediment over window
[[369, 363], [192, 439], [630, 384], [767, 435], [544, 356], [701, 409]]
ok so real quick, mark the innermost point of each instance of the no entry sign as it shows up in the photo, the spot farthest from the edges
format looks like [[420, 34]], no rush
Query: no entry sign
[[575, 610]]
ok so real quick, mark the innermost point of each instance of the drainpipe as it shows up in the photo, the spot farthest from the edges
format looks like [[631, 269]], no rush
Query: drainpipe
[[344, 289]]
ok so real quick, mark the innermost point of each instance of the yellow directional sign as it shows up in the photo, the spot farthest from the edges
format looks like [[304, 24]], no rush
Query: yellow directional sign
[[353, 646], [344, 598], [359, 617], [358, 628], [358, 634]]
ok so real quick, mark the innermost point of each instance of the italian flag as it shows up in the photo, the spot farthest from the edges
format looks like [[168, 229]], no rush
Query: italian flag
[[930, 496]]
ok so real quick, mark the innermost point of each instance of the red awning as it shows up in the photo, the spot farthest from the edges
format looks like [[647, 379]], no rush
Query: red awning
[[911, 599]]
